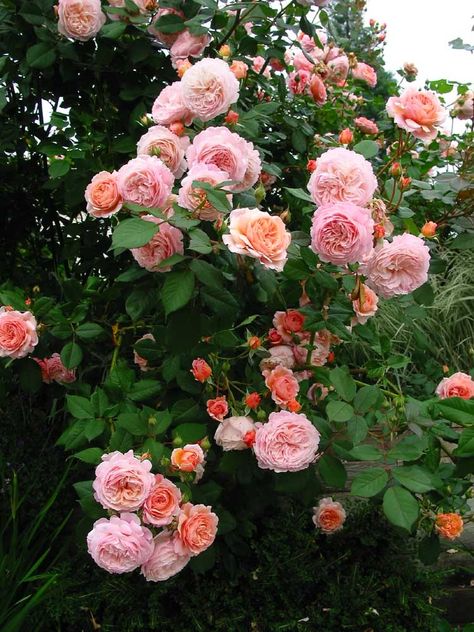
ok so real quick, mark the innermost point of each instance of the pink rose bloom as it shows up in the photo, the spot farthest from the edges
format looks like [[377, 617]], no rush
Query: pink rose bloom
[[102, 195], [253, 171], [232, 432], [162, 503], [144, 6], [329, 515], [122, 482], [366, 305], [120, 544], [287, 442], [257, 65], [217, 408], [18, 335], [288, 324], [259, 235], [188, 45], [239, 68], [398, 267], [307, 43], [197, 528], [161, 142], [209, 88], [457, 385], [194, 198], [464, 106], [167, 39], [417, 112], [319, 354], [299, 81], [169, 106], [164, 562], [283, 385], [143, 362], [280, 355], [80, 19], [365, 125], [338, 69], [187, 459], [146, 181], [166, 242], [317, 90], [342, 233], [342, 175], [53, 370], [366, 73], [301, 62]]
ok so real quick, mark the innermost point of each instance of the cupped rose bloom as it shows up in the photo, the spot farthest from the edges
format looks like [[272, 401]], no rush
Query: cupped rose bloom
[[165, 561], [194, 198], [217, 408], [258, 234], [464, 106], [342, 175], [209, 88], [169, 106], [288, 324], [201, 370], [122, 482], [253, 171], [417, 112], [449, 525], [162, 503], [145, 180], [287, 442], [187, 459], [232, 432], [120, 544], [239, 68], [342, 233], [18, 335], [366, 73], [166, 242], [365, 125], [280, 355], [197, 528], [301, 62], [329, 515], [102, 195], [457, 385], [142, 362], [366, 305], [53, 370], [283, 385], [168, 147], [167, 39], [307, 43], [317, 89], [188, 45], [80, 19], [338, 69], [398, 267]]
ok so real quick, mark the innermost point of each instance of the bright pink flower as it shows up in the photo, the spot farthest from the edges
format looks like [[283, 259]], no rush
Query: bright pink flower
[[169, 106], [457, 385], [288, 323], [317, 90], [257, 65], [417, 112], [168, 147], [217, 408], [329, 515], [283, 385], [80, 19], [165, 561], [298, 81], [165, 243], [102, 195], [366, 73], [301, 62], [197, 528], [162, 503], [201, 370], [231, 433], [338, 69], [18, 335]]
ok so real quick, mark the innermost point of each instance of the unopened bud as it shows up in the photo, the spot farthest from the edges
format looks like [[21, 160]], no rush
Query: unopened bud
[[205, 443], [177, 128], [224, 51], [405, 183], [254, 342], [346, 136], [231, 117], [429, 229], [182, 66], [261, 415], [311, 165], [379, 231], [177, 441], [396, 169]]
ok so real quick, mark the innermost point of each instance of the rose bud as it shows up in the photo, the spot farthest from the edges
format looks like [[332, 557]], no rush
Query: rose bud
[[346, 136], [231, 117], [201, 370], [429, 229]]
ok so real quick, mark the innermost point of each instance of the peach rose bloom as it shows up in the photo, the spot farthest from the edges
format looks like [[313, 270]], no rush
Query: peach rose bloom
[[168, 147], [449, 525], [169, 106], [53, 370], [288, 323], [201, 370], [338, 70], [280, 355], [283, 385], [231, 434], [145, 180], [457, 385], [301, 62], [197, 528], [365, 125], [166, 242], [417, 112], [464, 106], [259, 235], [366, 305], [167, 39], [122, 482], [80, 19], [239, 68], [120, 544], [143, 362], [102, 195], [18, 335], [317, 89], [366, 73], [329, 515], [187, 459], [162, 503], [217, 408], [165, 561], [195, 198]]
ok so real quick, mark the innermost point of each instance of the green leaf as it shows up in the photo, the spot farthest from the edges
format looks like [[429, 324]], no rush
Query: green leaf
[[29, 373], [144, 389], [400, 507], [408, 449], [71, 355], [357, 429], [339, 411], [89, 331], [133, 233], [207, 494], [90, 455], [368, 148], [332, 471], [190, 433], [200, 242], [155, 449], [365, 453], [132, 423], [206, 273], [424, 295], [40, 56], [429, 549], [177, 290], [457, 410], [220, 301], [94, 428], [366, 398], [79, 407], [59, 168], [416, 478], [466, 443], [113, 30], [465, 241], [300, 194], [343, 383], [163, 419], [369, 483]]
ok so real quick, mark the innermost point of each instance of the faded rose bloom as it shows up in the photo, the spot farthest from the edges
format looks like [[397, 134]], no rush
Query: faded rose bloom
[[143, 362], [317, 392], [217, 408], [165, 561], [18, 335], [280, 355], [195, 198], [231, 433], [53, 370], [162, 503], [417, 112], [146, 181], [365, 125], [319, 355], [449, 525], [283, 385], [169, 106], [366, 73], [80, 19], [197, 529], [168, 147], [188, 458], [165, 243], [380, 216], [201, 370], [366, 305], [457, 385], [102, 195], [329, 515]]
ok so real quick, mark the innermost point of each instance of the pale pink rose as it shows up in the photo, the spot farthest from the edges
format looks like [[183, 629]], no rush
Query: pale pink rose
[[301, 62], [280, 355], [457, 385], [317, 90], [252, 173], [283, 385], [287, 442], [102, 195], [289, 324], [142, 362], [464, 106], [197, 529], [317, 392], [122, 482], [161, 142], [120, 544], [165, 561], [166, 242], [342, 233], [217, 408], [319, 354], [366, 305], [365, 125], [146, 181], [299, 81], [188, 45], [366, 73], [53, 370], [162, 503], [342, 175], [194, 198], [167, 39], [169, 106], [257, 65], [80, 19], [187, 458], [329, 515], [398, 267], [18, 335], [259, 235], [307, 43], [417, 112], [231, 433], [338, 69], [239, 68], [209, 88]]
